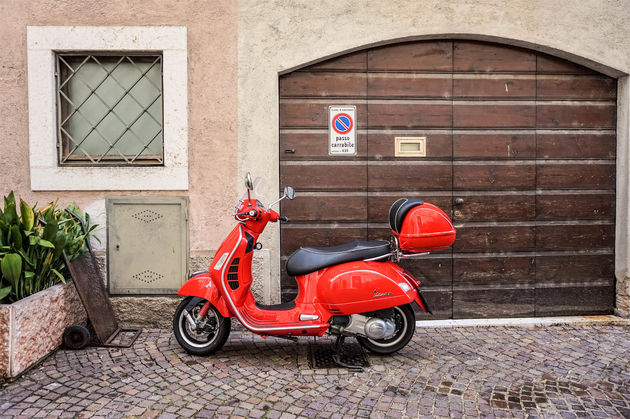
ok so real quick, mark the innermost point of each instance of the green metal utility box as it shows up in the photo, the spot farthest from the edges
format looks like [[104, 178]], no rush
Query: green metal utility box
[[147, 244]]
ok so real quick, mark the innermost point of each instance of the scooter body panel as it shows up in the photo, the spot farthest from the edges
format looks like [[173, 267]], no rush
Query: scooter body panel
[[360, 287], [201, 285]]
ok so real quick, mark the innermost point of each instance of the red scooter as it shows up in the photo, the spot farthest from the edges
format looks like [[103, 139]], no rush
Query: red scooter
[[355, 289]]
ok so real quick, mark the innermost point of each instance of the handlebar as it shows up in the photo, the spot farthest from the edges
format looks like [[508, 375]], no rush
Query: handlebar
[[254, 214]]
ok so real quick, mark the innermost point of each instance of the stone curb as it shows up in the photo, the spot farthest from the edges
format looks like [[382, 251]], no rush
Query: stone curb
[[527, 322]]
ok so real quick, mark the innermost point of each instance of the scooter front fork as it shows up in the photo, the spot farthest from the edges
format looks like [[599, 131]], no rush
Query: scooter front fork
[[204, 309], [203, 312]]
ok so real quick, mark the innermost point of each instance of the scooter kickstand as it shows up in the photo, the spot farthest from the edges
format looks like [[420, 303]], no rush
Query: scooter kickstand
[[337, 356]]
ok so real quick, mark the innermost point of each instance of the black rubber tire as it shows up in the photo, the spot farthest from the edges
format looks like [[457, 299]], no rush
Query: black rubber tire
[[196, 343], [76, 337], [405, 326]]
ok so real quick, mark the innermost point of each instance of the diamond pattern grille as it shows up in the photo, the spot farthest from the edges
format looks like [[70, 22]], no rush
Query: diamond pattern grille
[[109, 109]]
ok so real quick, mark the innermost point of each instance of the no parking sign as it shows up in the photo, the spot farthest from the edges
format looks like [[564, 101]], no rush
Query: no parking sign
[[342, 130]]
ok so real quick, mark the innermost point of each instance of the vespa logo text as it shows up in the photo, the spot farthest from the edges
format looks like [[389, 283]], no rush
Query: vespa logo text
[[382, 294]]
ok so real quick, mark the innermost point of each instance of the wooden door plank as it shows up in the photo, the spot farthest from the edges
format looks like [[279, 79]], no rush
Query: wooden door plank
[[313, 113], [547, 64], [494, 88], [433, 271], [478, 56], [409, 115], [576, 88], [313, 145], [493, 115], [486, 238], [412, 56], [575, 300], [494, 146], [356, 61], [342, 207], [576, 175], [323, 84], [493, 271], [576, 115], [579, 145], [574, 268], [316, 176], [575, 236], [493, 176], [579, 206], [440, 302], [409, 85], [488, 303], [504, 207], [409, 177]]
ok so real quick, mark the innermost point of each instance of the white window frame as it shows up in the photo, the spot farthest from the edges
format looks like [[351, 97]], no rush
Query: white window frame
[[42, 43]]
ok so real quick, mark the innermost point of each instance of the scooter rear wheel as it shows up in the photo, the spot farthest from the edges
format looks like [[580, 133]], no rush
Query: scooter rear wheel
[[207, 337], [405, 326]]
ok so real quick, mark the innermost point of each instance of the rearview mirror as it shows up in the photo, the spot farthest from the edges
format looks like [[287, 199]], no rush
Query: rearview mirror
[[289, 192], [249, 184]]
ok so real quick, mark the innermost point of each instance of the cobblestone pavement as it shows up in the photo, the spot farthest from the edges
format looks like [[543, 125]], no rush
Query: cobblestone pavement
[[558, 371]]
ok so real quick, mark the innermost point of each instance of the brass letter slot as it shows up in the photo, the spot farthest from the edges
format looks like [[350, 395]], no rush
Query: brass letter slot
[[411, 147]]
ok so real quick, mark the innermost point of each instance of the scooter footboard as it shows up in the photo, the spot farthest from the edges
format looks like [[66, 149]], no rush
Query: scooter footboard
[[200, 285]]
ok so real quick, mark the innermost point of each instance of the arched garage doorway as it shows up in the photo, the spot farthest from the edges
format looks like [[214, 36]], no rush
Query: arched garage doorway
[[520, 151]]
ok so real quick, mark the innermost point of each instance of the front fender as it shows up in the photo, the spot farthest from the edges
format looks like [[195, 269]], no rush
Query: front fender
[[200, 285]]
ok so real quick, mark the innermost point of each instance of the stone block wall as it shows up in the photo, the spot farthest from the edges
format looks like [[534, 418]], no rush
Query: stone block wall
[[623, 298], [33, 327]]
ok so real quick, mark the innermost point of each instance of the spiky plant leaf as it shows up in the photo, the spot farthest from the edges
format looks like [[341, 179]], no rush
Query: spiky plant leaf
[[27, 216]]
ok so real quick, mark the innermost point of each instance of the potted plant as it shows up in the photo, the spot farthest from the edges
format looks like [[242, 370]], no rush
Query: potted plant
[[36, 303]]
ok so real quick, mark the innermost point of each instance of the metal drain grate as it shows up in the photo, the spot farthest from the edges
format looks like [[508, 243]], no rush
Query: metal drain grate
[[320, 355]]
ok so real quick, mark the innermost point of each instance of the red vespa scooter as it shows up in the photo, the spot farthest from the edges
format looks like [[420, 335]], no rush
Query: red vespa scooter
[[355, 289]]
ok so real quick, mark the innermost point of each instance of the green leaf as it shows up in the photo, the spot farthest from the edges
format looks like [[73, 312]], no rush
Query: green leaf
[[45, 243], [29, 274], [27, 216], [61, 278], [11, 267], [50, 231], [16, 237], [10, 213], [5, 291], [26, 258], [60, 244]]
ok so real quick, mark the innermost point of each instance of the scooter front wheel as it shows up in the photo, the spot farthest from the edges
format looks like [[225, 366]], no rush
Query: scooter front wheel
[[405, 321], [208, 335]]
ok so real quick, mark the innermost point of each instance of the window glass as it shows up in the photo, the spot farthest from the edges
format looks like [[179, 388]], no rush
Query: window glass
[[109, 109]]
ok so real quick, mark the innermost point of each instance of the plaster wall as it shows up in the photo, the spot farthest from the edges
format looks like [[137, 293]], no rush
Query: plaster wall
[[211, 26], [274, 38], [236, 52]]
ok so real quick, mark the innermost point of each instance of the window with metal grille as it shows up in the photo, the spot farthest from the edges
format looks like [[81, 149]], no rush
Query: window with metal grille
[[109, 109]]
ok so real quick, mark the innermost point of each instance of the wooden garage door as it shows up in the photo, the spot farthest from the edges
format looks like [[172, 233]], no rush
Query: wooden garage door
[[520, 152]]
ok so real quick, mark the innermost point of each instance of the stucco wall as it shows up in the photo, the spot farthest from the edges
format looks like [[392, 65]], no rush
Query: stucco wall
[[275, 37], [211, 26], [236, 51]]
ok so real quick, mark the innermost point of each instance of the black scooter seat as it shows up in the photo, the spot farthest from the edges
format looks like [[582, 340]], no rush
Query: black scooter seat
[[310, 259]]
